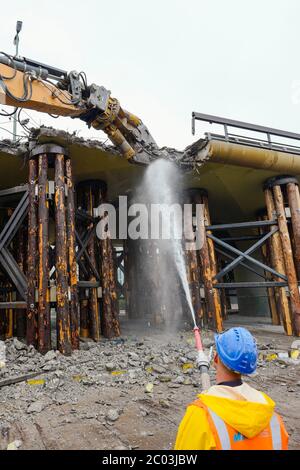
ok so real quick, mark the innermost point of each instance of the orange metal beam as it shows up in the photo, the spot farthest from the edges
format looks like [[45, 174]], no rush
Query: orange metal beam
[[45, 98]]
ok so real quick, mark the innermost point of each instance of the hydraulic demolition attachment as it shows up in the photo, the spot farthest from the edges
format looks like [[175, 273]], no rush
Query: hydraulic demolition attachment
[[25, 83]]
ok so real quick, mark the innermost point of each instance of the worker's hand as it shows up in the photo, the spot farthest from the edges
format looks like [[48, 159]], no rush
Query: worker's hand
[[203, 359]]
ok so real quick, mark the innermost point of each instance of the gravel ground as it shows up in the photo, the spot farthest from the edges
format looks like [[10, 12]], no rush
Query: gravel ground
[[130, 393]]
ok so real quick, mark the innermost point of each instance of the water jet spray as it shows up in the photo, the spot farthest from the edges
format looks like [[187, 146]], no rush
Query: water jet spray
[[162, 185]]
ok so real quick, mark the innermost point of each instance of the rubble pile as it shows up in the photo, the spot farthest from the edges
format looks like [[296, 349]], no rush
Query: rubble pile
[[160, 371]]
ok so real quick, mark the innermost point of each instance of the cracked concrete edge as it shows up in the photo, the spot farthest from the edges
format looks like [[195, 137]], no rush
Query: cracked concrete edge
[[47, 134], [187, 157], [44, 133]]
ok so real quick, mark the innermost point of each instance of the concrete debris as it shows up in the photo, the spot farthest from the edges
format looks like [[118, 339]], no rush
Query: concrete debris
[[140, 380], [187, 382], [283, 355], [172, 385], [112, 415], [36, 407], [149, 388], [164, 403], [50, 356], [165, 378], [134, 356], [179, 380], [43, 134], [158, 369], [296, 344], [15, 445], [18, 345]]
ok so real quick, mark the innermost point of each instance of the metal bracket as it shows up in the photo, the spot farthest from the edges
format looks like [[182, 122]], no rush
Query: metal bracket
[[52, 149], [98, 98], [76, 87], [280, 181]]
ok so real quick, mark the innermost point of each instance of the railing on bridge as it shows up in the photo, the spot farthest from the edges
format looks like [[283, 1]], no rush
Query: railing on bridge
[[237, 138]]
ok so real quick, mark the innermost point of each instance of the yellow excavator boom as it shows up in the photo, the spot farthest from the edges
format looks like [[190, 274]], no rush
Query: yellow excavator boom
[[28, 84]]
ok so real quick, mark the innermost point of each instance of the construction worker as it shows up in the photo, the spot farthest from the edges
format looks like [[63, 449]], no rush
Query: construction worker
[[232, 415]]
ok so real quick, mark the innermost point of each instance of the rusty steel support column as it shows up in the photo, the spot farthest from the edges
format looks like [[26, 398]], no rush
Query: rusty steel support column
[[44, 326], [10, 318], [2, 323], [277, 257], [84, 331], [288, 259], [84, 318], [71, 245], [31, 327], [194, 282], [294, 204], [89, 319], [62, 300], [110, 315], [95, 326], [193, 269], [273, 294], [214, 268], [273, 297], [208, 264]]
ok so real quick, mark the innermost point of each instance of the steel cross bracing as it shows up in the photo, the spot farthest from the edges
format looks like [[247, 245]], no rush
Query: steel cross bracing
[[245, 256], [119, 259], [7, 261], [82, 240]]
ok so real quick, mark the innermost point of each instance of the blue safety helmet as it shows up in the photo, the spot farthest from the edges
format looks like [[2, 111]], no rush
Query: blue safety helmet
[[237, 350]]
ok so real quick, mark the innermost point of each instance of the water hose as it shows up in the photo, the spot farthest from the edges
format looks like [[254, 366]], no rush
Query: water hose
[[202, 360]]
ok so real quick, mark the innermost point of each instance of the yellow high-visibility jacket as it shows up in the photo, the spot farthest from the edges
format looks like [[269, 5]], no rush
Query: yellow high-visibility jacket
[[243, 408]]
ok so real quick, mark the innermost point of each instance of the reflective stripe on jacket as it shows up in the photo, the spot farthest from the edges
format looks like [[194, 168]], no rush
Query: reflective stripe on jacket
[[273, 437]]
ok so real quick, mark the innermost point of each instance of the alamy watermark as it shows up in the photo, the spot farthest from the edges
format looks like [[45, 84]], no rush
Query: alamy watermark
[[152, 222]]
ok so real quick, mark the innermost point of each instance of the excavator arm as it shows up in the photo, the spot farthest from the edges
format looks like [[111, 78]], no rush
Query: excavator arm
[[29, 84]]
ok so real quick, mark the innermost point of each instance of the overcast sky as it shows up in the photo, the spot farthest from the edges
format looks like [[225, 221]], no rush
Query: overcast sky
[[164, 59]]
